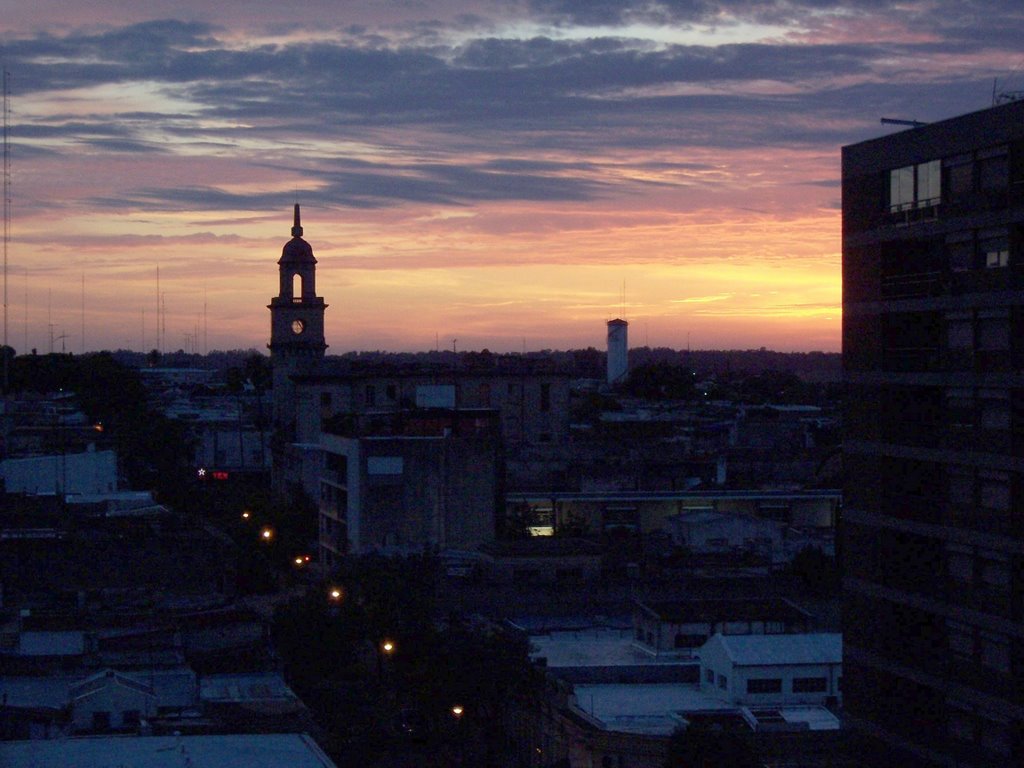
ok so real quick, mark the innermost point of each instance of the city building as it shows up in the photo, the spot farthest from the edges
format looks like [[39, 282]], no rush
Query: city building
[[296, 325], [932, 533], [425, 480], [681, 627], [758, 670], [266, 750], [618, 351], [610, 701], [643, 512], [61, 473]]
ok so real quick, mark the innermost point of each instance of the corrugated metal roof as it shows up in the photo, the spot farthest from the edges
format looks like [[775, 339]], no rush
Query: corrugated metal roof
[[771, 650]]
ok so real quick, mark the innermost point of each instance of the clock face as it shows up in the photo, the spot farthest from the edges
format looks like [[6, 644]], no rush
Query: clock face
[[298, 326]]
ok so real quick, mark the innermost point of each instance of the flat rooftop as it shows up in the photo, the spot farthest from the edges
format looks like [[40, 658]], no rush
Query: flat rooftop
[[594, 648], [236, 751], [655, 709], [638, 496]]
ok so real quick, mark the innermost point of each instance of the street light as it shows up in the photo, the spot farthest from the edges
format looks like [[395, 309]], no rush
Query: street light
[[335, 594], [267, 534], [386, 649], [246, 515], [457, 711]]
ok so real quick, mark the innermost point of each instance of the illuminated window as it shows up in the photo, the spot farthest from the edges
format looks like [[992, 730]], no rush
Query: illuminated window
[[915, 186], [994, 247]]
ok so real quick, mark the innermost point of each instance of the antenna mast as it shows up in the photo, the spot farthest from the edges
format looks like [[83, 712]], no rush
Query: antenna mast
[[7, 211]]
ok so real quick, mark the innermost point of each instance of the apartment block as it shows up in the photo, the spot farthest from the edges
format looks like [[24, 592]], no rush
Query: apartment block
[[932, 530]]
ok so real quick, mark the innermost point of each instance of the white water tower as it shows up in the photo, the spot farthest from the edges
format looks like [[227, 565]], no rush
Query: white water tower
[[618, 351]]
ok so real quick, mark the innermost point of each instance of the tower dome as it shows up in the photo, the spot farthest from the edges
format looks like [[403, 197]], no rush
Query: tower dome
[[297, 250]]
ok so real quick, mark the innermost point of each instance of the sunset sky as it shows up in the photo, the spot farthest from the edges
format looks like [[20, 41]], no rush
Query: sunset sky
[[494, 172]]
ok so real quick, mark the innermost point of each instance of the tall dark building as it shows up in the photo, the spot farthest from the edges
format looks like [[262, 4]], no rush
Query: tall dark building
[[932, 539]]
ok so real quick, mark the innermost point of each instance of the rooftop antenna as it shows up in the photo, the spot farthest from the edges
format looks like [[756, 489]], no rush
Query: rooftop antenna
[[157, 307], [1004, 97], [7, 209], [897, 121], [82, 350]]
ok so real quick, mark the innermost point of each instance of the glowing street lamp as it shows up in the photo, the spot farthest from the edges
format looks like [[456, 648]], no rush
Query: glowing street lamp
[[335, 595], [457, 711], [386, 649], [267, 534], [246, 515]]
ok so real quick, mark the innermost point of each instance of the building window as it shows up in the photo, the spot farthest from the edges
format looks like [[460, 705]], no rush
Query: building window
[[723, 682], [689, 641], [994, 331], [994, 570], [384, 465], [994, 247], [960, 726], [709, 676], [960, 639], [810, 685], [994, 169], [959, 564], [769, 685], [130, 718], [915, 186], [101, 721], [960, 251], [960, 176], [995, 652], [997, 738]]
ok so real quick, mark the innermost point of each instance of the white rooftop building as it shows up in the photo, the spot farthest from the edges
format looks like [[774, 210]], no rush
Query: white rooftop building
[[773, 669], [234, 751]]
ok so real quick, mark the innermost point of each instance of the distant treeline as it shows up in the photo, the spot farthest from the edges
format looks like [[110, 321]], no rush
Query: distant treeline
[[587, 363]]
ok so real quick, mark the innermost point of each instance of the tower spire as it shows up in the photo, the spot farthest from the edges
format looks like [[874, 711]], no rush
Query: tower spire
[[297, 226]]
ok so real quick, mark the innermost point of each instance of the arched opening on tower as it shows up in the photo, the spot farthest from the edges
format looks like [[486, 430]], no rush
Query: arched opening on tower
[[297, 287]]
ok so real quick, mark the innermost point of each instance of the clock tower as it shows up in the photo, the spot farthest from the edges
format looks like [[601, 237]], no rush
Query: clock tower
[[296, 325]]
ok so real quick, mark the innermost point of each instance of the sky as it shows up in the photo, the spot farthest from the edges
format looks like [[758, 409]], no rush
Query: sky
[[502, 175]]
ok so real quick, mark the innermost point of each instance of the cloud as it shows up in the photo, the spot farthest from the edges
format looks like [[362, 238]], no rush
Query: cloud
[[704, 299]]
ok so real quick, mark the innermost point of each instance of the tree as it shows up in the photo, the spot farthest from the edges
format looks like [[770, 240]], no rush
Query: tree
[[661, 381], [818, 570], [707, 746]]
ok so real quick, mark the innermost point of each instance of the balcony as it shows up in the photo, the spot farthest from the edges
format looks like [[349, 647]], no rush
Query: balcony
[[912, 359], [914, 285]]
